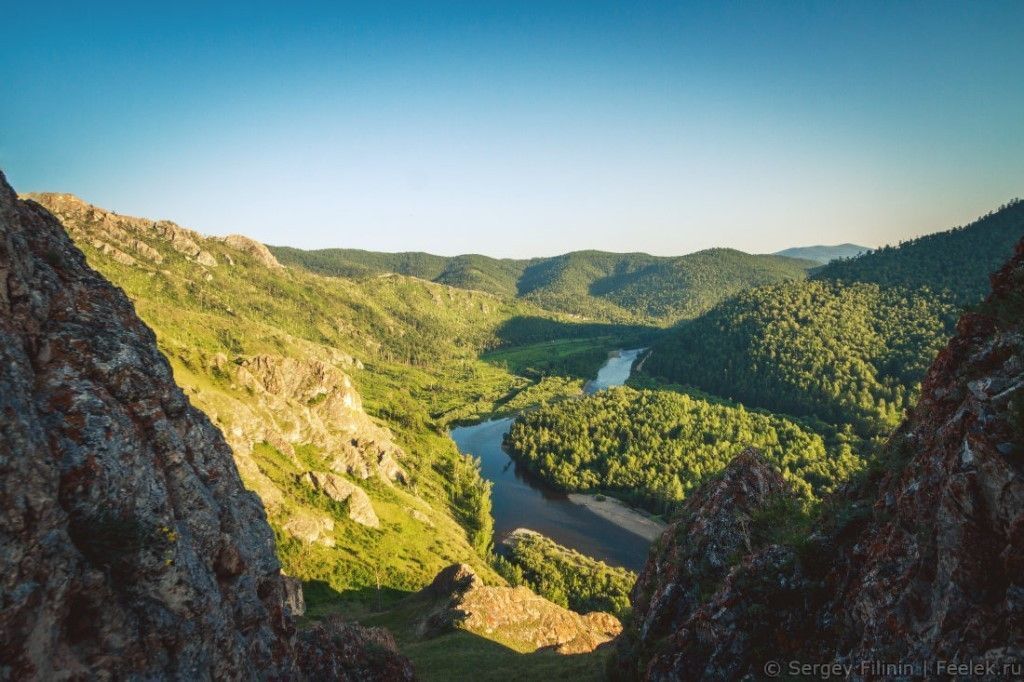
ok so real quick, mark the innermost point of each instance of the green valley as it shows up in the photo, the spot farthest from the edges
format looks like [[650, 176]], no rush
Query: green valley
[[336, 375]]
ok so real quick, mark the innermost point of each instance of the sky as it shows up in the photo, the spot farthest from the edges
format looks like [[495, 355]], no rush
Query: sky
[[518, 129]]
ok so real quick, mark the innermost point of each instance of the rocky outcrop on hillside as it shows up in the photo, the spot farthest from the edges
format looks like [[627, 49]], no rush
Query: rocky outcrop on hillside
[[304, 401], [252, 247], [695, 554], [360, 509], [919, 561], [124, 237], [514, 616], [293, 401], [132, 240], [129, 548], [338, 650]]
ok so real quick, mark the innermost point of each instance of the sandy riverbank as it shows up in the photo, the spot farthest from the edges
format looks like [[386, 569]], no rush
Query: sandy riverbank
[[618, 513]]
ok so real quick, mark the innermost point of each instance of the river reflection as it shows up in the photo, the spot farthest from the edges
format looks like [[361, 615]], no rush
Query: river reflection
[[520, 500]]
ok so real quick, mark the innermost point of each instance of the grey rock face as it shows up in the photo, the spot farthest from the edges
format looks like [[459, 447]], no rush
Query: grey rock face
[[129, 548]]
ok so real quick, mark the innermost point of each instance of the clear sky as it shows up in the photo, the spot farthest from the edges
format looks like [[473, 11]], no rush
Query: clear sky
[[522, 128]]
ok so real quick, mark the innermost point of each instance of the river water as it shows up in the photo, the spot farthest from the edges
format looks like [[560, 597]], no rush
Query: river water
[[520, 500]]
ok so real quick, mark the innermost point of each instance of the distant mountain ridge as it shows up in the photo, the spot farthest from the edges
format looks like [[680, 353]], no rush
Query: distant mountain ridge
[[618, 287], [823, 254]]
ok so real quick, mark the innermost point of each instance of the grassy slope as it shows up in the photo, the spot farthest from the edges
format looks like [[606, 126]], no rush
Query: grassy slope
[[248, 310], [623, 288], [419, 342]]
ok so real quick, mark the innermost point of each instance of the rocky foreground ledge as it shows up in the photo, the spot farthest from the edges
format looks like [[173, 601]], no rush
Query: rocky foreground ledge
[[129, 548]]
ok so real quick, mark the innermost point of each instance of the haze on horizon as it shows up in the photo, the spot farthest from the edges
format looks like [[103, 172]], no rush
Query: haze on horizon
[[522, 129]]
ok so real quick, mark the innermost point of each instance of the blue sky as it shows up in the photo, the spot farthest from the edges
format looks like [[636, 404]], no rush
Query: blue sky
[[522, 128]]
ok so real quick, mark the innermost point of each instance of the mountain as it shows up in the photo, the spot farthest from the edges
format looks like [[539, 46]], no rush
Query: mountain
[[915, 563], [823, 254], [623, 288], [849, 345], [131, 549], [957, 261]]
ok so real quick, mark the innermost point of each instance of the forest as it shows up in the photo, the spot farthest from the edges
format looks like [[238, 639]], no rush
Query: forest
[[652, 447], [843, 353]]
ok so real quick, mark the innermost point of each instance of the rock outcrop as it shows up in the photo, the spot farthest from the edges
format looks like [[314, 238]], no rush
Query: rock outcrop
[[294, 598], [695, 554], [514, 616], [337, 650], [917, 562], [293, 401], [301, 400], [359, 507], [123, 235], [129, 548], [252, 247]]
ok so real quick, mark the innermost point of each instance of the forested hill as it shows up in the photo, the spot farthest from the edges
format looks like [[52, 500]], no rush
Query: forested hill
[[631, 287], [824, 254], [958, 260], [844, 353], [483, 273]]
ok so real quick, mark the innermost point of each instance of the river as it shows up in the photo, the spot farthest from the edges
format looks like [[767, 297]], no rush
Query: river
[[520, 500]]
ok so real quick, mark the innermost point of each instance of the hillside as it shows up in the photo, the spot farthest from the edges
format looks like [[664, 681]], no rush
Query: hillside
[[320, 386], [915, 564], [131, 549], [623, 288], [823, 254], [958, 261], [844, 354]]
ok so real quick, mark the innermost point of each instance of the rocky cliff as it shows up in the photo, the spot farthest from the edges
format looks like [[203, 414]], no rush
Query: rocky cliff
[[129, 548], [696, 553], [936, 569], [917, 562]]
